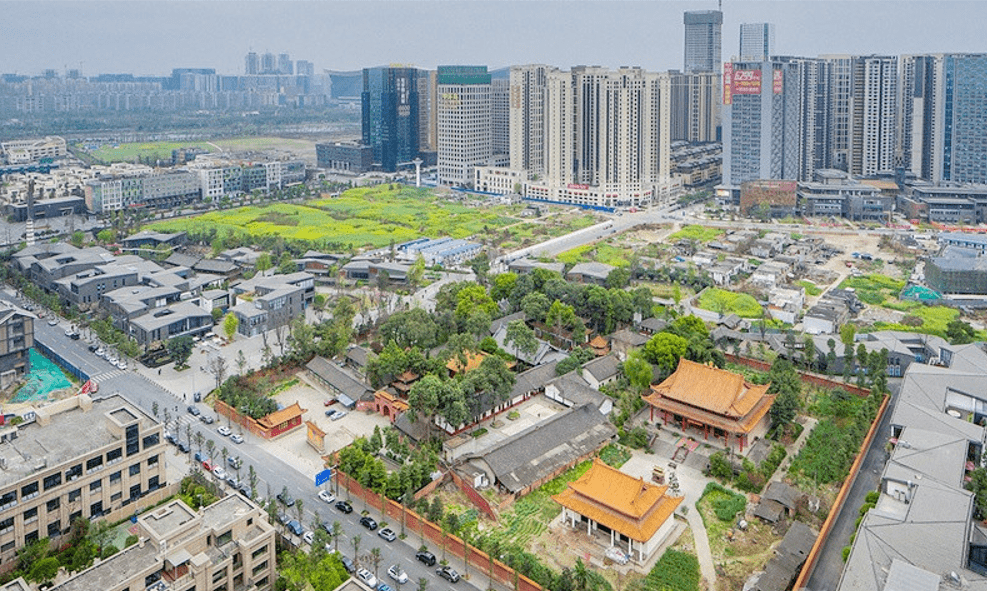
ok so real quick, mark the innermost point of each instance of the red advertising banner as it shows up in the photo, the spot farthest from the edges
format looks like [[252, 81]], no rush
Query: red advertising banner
[[577, 186], [727, 80], [746, 82], [778, 81]]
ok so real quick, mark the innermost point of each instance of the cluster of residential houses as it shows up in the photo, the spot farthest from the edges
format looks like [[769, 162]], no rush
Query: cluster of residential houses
[[154, 302]]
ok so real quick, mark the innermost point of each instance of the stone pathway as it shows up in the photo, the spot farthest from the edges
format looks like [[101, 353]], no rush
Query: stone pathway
[[794, 449], [703, 553]]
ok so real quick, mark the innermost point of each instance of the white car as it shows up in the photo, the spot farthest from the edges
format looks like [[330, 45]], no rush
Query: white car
[[224, 431], [101, 352], [397, 573], [308, 537], [326, 496], [121, 364], [218, 472], [367, 577], [236, 439]]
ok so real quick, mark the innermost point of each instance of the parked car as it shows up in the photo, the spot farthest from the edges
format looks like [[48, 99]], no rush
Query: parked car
[[308, 537], [207, 465], [54, 322], [339, 414], [199, 457], [236, 439], [368, 522], [218, 472], [344, 506], [347, 564], [244, 489], [330, 402], [448, 573], [367, 577], [224, 431], [182, 447], [194, 410], [295, 527], [388, 534], [426, 557], [234, 462], [397, 573], [286, 499], [384, 587], [326, 496], [283, 518], [207, 419]]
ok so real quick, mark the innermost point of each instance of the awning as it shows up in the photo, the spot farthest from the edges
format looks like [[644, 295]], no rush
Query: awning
[[178, 557], [346, 401]]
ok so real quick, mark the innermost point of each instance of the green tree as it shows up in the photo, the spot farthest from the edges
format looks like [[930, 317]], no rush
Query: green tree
[[959, 332], [618, 278], [107, 236], [786, 383], [230, 325], [423, 400], [503, 286], [180, 349], [638, 370], [664, 350], [264, 262], [43, 571], [77, 238], [521, 337], [416, 274], [535, 306]]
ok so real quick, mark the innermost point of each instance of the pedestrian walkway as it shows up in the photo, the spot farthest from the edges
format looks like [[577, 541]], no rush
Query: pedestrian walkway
[[794, 449]]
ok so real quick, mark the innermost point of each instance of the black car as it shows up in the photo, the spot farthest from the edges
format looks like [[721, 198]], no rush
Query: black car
[[244, 489], [286, 499], [368, 522], [348, 564], [207, 419], [344, 506], [194, 410], [182, 447], [448, 573], [295, 527], [92, 348], [427, 557]]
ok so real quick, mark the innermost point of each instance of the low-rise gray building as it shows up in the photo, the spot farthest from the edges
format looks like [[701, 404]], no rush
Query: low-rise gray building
[[169, 322]]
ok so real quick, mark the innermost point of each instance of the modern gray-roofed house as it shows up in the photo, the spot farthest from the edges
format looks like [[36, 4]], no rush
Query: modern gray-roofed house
[[544, 353], [650, 326], [147, 241], [127, 303], [537, 454], [169, 322], [572, 390], [524, 266], [922, 529], [348, 388], [596, 273]]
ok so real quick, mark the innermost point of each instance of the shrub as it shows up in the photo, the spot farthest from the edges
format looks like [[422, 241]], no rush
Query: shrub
[[719, 467], [846, 553], [730, 503], [872, 497], [675, 571]]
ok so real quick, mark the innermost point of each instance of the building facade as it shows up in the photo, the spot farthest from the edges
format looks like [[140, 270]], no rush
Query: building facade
[[528, 87], [695, 106], [390, 118], [500, 118], [464, 122], [756, 41], [74, 459], [703, 40]]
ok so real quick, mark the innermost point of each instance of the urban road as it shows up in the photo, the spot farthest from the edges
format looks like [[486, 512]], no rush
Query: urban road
[[273, 472]]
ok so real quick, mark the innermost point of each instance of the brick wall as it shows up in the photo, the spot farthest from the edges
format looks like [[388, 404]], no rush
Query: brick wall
[[807, 378]]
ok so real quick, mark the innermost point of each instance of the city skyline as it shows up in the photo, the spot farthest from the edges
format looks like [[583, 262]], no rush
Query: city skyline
[[151, 38]]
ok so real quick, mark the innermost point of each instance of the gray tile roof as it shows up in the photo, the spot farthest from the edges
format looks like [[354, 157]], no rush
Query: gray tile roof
[[338, 378], [603, 368]]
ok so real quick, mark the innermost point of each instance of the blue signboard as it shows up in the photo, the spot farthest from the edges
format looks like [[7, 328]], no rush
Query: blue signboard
[[323, 477]]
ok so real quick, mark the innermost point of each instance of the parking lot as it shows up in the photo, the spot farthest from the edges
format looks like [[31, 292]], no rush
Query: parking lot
[[339, 433]]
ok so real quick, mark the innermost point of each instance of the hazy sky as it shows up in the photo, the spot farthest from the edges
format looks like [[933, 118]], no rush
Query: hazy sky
[[144, 37]]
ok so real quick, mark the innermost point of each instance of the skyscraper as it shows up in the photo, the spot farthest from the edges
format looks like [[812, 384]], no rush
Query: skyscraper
[[464, 118], [390, 103], [251, 63], [695, 106], [527, 117], [756, 41], [767, 110], [500, 135], [703, 39], [285, 65], [943, 130], [304, 68], [606, 137]]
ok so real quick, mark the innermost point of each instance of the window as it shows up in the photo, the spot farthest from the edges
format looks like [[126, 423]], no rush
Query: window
[[224, 538], [152, 483], [73, 473], [53, 504], [135, 492], [116, 497], [151, 440], [31, 515], [53, 480], [31, 537], [54, 528], [133, 440], [9, 546], [115, 477], [29, 491], [114, 455], [75, 515], [135, 469], [9, 499], [152, 461], [6, 525], [218, 576], [260, 567], [96, 509], [93, 464], [74, 495], [96, 485]]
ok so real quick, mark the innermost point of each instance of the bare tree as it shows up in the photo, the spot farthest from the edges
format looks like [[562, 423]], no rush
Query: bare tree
[[217, 367]]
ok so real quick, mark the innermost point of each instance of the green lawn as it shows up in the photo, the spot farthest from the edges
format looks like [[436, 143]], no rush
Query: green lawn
[[874, 288], [810, 288], [694, 232], [128, 152], [362, 217], [600, 253], [728, 302]]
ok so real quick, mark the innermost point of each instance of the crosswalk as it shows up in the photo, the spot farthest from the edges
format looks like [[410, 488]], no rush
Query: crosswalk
[[106, 375]]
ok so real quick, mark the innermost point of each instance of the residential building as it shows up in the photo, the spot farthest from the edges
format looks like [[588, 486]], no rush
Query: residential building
[[267, 303], [464, 122], [125, 188], [957, 270], [703, 40], [76, 458], [16, 341], [526, 112], [25, 151], [500, 116], [169, 322], [607, 141], [227, 545], [756, 41], [695, 106], [597, 273], [391, 105], [638, 515], [714, 401], [943, 135]]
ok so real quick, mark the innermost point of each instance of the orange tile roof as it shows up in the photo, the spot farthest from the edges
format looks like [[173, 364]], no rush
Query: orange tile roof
[[619, 501], [280, 416], [473, 361], [709, 388], [598, 342], [407, 376], [393, 400]]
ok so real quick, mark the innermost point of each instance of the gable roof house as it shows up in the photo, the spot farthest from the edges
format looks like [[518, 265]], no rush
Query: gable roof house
[[715, 401], [634, 512]]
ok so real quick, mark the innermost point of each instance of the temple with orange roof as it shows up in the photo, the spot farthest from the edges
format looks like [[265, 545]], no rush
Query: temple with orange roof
[[717, 402], [636, 513]]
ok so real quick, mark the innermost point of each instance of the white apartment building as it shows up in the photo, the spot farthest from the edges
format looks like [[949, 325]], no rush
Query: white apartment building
[[527, 116], [607, 138], [464, 122], [24, 151]]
